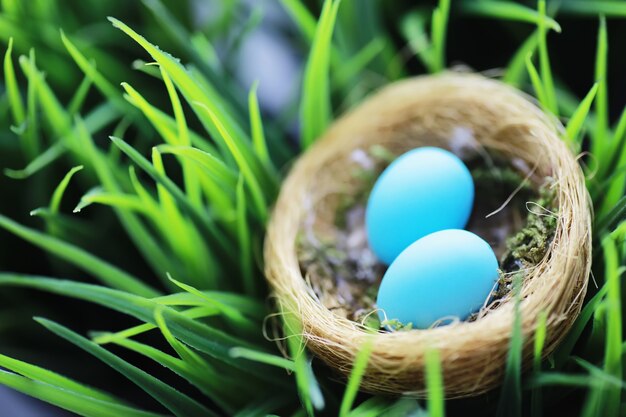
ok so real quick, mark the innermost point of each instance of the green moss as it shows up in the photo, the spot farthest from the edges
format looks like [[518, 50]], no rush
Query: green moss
[[530, 245], [396, 325]]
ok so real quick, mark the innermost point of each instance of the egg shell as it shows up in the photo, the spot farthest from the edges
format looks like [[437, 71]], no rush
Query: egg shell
[[423, 191], [446, 273]]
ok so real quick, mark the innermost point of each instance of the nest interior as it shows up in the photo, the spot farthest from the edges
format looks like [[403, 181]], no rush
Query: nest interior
[[478, 119], [514, 214]]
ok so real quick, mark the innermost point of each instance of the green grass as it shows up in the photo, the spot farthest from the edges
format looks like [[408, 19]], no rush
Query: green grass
[[182, 164]]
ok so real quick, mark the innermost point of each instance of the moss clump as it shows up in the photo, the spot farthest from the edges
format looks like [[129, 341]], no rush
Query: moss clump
[[530, 245]]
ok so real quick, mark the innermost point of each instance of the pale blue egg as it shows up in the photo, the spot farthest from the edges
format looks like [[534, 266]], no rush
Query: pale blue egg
[[446, 274], [424, 190]]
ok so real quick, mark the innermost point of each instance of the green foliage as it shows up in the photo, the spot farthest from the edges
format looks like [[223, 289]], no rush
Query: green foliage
[[191, 171]]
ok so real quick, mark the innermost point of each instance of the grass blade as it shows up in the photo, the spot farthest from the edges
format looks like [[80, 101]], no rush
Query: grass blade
[[507, 10], [13, 91], [315, 106], [308, 387], [600, 141], [200, 216], [256, 126], [180, 404], [358, 370], [438, 34], [103, 271], [510, 403], [248, 173], [55, 201], [434, 384], [540, 339], [302, 17], [262, 357], [536, 82], [45, 376], [414, 30], [70, 400], [515, 70], [577, 121], [78, 99], [40, 162], [613, 353], [544, 61], [209, 340], [594, 8], [109, 91], [197, 90], [243, 236]]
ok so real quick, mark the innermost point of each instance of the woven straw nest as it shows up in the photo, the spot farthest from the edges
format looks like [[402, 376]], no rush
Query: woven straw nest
[[427, 111]]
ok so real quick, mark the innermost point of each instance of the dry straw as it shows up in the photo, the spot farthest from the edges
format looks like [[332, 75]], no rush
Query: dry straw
[[417, 112]]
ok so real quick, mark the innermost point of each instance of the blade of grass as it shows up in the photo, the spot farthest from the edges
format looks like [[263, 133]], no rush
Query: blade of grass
[[434, 384], [89, 68], [178, 403], [353, 67], [536, 82], [302, 17], [223, 174], [315, 106], [103, 271], [69, 400], [564, 380], [565, 349], [544, 61], [192, 313], [256, 126], [13, 91], [55, 201], [507, 10], [248, 173], [142, 238], [262, 357], [188, 43], [536, 401], [617, 144], [308, 387], [594, 8], [211, 384], [438, 34], [354, 381], [204, 338], [200, 216], [577, 121], [601, 138], [242, 322], [510, 403], [516, 69], [40, 162], [413, 28], [197, 89], [45, 376], [78, 99], [192, 186], [30, 138], [613, 353], [243, 236]]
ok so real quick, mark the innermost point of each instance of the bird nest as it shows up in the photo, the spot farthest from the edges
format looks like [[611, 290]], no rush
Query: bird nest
[[531, 206]]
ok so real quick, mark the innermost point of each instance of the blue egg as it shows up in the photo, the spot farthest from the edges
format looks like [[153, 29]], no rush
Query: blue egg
[[423, 191], [446, 274]]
